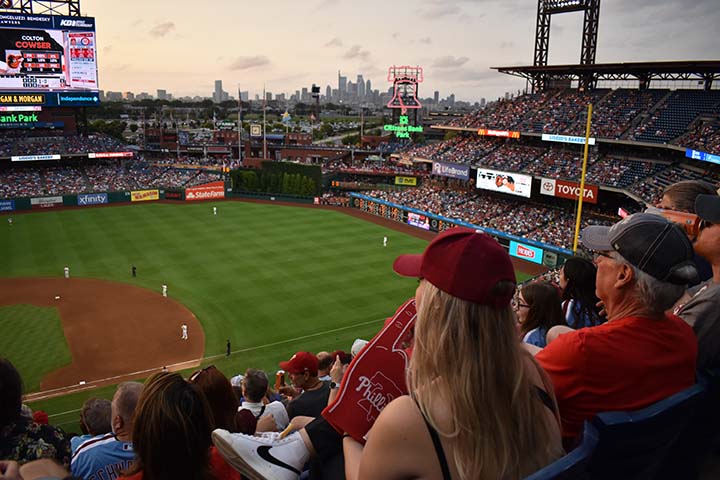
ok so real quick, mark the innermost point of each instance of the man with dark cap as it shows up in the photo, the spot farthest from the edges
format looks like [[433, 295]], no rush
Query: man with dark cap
[[700, 307], [641, 355]]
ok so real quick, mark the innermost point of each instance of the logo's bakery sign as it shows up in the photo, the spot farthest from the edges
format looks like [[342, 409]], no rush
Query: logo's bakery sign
[[565, 189]]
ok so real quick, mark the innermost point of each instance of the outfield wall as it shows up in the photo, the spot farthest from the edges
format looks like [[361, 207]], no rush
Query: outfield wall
[[519, 247], [210, 191]]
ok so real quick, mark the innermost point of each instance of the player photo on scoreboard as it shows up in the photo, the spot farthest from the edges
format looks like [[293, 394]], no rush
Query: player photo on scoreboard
[[504, 182]]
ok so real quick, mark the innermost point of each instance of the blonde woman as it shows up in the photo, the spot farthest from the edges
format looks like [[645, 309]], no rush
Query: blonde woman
[[479, 406]]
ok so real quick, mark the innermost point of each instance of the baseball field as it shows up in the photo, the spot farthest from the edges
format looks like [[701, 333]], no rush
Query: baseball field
[[272, 279]]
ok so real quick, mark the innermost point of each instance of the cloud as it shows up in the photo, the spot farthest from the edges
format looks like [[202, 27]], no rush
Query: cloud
[[506, 44], [448, 61], [246, 63], [357, 52], [426, 40], [435, 12], [162, 29], [335, 42]]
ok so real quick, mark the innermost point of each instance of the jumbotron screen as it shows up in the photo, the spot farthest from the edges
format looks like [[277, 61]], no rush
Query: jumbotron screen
[[47, 53]]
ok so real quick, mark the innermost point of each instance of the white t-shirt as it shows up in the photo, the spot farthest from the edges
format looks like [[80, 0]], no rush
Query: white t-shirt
[[276, 409]]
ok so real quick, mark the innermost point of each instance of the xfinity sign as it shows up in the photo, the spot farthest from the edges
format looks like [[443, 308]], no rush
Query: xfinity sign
[[92, 199]]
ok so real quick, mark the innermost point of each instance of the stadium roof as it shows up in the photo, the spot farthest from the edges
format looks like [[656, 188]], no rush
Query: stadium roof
[[675, 70]]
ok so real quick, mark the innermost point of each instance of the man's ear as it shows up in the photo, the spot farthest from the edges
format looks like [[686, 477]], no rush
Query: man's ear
[[625, 276], [117, 423]]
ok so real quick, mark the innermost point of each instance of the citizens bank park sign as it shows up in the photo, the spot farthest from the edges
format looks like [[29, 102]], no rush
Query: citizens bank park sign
[[207, 191], [565, 189]]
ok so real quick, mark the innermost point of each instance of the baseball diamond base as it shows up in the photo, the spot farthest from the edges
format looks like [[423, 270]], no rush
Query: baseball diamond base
[[115, 331]]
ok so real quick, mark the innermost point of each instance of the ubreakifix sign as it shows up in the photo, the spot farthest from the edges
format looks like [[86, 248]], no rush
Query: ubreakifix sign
[[565, 189], [207, 191], [526, 252]]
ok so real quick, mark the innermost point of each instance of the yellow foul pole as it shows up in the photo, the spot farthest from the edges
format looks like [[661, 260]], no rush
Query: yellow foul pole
[[582, 179]]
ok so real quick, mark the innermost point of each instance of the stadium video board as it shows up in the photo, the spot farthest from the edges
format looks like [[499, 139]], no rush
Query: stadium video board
[[504, 182], [44, 53]]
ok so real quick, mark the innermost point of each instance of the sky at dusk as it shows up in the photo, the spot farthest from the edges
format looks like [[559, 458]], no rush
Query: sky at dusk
[[184, 46]]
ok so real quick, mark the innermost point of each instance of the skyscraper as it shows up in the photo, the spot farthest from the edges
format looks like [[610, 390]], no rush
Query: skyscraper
[[436, 97], [328, 94], [360, 87], [219, 95], [368, 88], [342, 85]]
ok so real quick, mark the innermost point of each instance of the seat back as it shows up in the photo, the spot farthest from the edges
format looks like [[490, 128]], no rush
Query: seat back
[[635, 444], [699, 436], [572, 466]]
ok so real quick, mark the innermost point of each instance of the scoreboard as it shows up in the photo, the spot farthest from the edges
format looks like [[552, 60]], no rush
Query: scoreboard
[[47, 53]]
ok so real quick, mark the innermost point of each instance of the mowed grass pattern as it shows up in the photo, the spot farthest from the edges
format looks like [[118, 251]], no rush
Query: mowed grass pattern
[[33, 339], [255, 273]]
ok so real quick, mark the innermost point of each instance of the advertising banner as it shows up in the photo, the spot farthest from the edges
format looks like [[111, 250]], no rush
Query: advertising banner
[[207, 191], [144, 195], [7, 205], [110, 155], [33, 158], [417, 220], [526, 252], [173, 195], [46, 202], [567, 139], [703, 156], [498, 133], [566, 189], [412, 181], [92, 199], [504, 182], [452, 170]]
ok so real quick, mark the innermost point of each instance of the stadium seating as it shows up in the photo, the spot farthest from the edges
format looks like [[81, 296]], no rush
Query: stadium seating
[[572, 466], [676, 113], [635, 444]]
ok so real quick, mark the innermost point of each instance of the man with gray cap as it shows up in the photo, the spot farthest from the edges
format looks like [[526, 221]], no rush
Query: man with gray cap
[[641, 355], [700, 308]]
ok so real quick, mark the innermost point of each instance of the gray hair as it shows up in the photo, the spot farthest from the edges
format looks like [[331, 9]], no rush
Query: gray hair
[[126, 399], [655, 295], [96, 414]]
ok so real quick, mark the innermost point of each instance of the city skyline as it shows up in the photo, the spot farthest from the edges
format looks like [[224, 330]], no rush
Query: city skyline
[[162, 45]]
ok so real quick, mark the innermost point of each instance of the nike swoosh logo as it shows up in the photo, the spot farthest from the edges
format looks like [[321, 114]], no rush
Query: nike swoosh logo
[[264, 452]]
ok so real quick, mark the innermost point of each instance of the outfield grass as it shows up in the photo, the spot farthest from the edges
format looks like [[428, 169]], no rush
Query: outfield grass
[[273, 279]]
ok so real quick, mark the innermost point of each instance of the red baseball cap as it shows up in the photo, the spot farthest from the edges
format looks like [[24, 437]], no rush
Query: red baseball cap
[[301, 362], [465, 263]]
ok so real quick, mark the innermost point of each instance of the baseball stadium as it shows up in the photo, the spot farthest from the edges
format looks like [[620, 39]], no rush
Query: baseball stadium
[[121, 261]]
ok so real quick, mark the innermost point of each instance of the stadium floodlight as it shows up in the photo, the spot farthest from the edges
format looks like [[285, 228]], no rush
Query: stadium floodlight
[[565, 5]]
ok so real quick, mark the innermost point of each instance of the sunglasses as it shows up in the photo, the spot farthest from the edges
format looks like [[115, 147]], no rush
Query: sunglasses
[[197, 374]]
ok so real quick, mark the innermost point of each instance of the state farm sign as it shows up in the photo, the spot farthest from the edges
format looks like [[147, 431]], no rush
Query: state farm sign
[[565, 189], [207, 191]]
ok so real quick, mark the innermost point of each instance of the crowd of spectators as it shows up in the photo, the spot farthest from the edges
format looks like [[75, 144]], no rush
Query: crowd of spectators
[[550, 225], [503, 114], [103, 176], [703, 136], [459, 149], [560, 112], [616, 112], [11, 145]]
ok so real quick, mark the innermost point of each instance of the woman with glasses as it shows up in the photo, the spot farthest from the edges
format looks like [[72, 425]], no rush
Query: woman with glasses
[[537, 306]]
